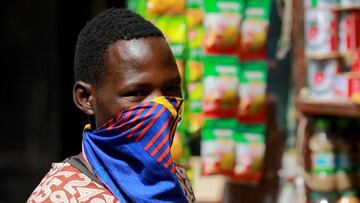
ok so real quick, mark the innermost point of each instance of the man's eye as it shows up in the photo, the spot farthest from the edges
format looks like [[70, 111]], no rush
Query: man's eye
[[135, 94]]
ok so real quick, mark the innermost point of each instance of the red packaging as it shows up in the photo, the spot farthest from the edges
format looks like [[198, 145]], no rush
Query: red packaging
[[349, 31], [321, 32], [355, 67], [346, 85]]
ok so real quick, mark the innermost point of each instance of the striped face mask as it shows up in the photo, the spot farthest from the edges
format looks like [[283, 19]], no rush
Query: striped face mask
[[131, 152]]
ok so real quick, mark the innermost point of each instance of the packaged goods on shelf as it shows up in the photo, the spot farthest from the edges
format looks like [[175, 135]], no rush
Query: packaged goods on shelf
[[321, 77], [222, 25], [194, 107], [194, 13], [250, 151], [220, 86], [180, 151], [254, 30], [349, 3], [165, 7], [174, 29], [321, 29], [347, 86], [218, 146], [349, 31], [252, 92], [322, 148], [321, 4]]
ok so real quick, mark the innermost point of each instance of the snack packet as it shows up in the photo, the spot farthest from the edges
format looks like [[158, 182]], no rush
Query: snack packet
[[194, 88], [180, 151], [138, 6], [222, 26], [252, 92], [194, 13], [174, 29], [218, 147], [250, 152], [221, 83], [165, 7], [254, 30]]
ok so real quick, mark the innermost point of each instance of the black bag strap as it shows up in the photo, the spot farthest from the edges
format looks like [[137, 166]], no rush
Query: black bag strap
[[79, 163]]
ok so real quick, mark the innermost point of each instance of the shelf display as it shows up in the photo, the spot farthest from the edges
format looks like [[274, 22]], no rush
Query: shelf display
[[328, 107], [219, 46]]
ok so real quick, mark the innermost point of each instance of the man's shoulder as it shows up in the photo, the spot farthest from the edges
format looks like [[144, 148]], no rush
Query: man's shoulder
[[64, 183]]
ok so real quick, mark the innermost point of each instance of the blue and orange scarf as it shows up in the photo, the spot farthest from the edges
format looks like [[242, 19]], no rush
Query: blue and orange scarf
[[131, 152]]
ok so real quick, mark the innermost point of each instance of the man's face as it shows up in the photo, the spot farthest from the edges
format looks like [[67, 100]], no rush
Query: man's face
[[135, 71]]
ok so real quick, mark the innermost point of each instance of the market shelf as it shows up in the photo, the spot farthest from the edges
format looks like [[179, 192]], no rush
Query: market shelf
[[328, 108], [346, 8], [323, 56]]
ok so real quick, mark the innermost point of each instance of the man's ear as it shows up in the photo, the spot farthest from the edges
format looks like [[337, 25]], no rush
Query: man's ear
[[83, 96]]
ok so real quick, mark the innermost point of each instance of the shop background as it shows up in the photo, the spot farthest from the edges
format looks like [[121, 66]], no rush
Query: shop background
[[39, 123]]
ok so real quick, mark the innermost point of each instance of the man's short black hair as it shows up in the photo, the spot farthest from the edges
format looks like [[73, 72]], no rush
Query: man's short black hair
[[104, 29]]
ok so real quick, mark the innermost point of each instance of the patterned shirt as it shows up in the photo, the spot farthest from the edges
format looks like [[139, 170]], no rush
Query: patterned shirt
[[66, 184]]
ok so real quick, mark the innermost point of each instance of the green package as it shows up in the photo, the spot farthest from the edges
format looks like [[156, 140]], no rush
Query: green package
[[252, 91], [222, 26], [217, 146], [255, 25], [229, 6], [220, 85], [138, 6], [250, 151]]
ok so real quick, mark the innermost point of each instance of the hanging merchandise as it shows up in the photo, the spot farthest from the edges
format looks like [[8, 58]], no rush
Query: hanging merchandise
[[218, 147], [252, 92], [322, 158], [349, 29], [194, 66], [321, 77], [250, 152], [325, 4], [321, 29], [220, 96], [180, 151], [222, 24], [254, 30], [165, 7], [174, 29], [138, 6]]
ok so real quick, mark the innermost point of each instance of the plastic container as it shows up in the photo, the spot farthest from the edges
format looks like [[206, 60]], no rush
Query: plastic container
[[322, 148], [349, 197]]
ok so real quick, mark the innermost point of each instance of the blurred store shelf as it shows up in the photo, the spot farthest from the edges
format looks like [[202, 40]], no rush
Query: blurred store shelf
[[328, 108]]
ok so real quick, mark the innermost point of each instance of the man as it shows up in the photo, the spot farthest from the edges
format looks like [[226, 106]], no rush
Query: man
[[128, 83]]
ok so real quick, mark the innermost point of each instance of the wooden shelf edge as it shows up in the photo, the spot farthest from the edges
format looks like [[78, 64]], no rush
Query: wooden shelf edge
[[328, 108]]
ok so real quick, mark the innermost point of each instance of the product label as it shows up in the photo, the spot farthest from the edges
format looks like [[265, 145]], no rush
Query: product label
[[323, 162]]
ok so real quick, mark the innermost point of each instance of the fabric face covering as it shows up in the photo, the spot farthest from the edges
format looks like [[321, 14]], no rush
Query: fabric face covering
[[131, 152]]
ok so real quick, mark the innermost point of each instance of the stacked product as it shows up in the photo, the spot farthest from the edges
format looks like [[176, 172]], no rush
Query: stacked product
[[333, 168], [332, 34], [225, 72]]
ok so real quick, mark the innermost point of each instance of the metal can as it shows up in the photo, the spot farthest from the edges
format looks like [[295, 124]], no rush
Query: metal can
[[349, 31], [321, 32]]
